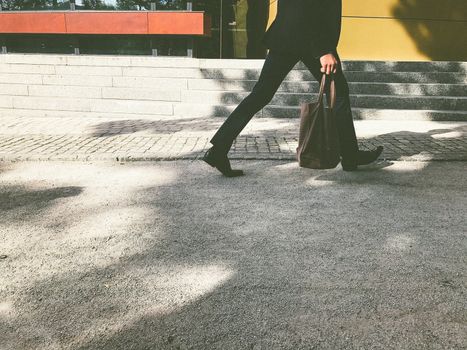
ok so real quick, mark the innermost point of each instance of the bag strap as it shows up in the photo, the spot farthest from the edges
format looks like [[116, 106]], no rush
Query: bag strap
[[332, 101]]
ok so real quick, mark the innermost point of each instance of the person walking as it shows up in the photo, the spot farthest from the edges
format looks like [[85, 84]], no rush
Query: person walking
[[307, 31]]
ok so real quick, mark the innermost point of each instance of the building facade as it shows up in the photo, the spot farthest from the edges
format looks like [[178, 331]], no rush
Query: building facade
[[418, 30]]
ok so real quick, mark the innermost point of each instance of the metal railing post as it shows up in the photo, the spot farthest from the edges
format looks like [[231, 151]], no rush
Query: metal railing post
[[189, 50], [152, 42], [3, 48], [190, 43], [220, 32]]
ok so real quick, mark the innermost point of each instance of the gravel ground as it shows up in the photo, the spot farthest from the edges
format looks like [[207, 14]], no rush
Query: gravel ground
[[172, 255]]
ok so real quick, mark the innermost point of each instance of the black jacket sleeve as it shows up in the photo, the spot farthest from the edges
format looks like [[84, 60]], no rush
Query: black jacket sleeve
[[326, 26]]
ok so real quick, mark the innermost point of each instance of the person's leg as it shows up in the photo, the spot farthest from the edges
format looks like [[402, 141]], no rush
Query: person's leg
[[345, 126], [276, 67]]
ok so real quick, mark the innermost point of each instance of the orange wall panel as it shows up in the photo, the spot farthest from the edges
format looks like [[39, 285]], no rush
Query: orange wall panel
[[176, 23], [36, 22], [106, 22]]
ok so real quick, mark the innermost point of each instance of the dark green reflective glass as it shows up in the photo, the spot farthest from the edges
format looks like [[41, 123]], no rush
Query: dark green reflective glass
[[237, 27], [39, 43], [114, 44]]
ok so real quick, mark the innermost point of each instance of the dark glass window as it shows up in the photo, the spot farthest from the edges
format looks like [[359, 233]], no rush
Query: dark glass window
[[237, 27], [40, 43], [96, 44], [170, 45], [114, 44]]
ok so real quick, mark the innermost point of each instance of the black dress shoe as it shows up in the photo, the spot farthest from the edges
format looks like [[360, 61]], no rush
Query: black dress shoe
[[363, 158], [220, 161]]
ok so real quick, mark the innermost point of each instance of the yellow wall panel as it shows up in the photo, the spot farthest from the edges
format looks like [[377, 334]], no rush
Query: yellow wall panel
[[421, 9], [272, 11], [388, 39], [401, 29]]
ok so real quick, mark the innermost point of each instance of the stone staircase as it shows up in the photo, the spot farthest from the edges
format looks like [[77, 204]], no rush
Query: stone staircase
[[164, 87]]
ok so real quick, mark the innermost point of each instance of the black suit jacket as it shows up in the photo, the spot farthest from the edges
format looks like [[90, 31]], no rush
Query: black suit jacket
[[300, 26]]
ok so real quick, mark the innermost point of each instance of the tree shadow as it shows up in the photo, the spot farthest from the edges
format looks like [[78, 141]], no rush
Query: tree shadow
[[237, 91], [437, 144], [407, 145], [431, 35], [227, 102], [164, 127], [227, 90], [32, 201], [270, 275]]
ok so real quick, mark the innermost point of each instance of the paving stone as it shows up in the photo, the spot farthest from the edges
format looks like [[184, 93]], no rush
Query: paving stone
[[53, 138]]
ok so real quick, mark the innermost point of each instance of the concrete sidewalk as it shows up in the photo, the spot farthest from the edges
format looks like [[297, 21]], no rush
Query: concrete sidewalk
[[54, 138], [165, 255]]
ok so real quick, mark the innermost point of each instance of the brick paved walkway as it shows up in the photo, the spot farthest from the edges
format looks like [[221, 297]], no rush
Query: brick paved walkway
[[53, 138]]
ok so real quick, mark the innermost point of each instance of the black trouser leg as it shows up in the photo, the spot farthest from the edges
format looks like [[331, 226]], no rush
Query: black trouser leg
[[276, 67], [345, 126]]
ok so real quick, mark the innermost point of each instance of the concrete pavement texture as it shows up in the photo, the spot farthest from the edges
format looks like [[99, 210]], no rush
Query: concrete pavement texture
[[90, 138], [172, 255]]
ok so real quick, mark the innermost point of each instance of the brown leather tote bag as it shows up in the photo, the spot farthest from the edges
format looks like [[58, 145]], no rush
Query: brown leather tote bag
[[318, 141]]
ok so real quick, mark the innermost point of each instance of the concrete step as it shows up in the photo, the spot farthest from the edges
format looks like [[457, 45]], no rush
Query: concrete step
[[347, 65], [231, 97], [375, 114], [362, 101], [39, 113], [146, 85], [229, 73], [409, 102], [184, 110], [293, 75], [137, 86], [17, 78], [367, 88], [403, 66], [281, 111], [177, 62], [87, 104], [408, 77], [163, 103]]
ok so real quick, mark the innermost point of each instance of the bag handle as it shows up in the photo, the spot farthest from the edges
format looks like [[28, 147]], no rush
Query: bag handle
[[332, 102]]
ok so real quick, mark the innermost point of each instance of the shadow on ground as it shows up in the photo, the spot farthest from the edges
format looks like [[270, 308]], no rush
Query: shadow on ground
[[448, 143], [284, 257], [30, 201]]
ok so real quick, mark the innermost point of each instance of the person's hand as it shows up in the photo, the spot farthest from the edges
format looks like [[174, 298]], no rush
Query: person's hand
[[328, 63]]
